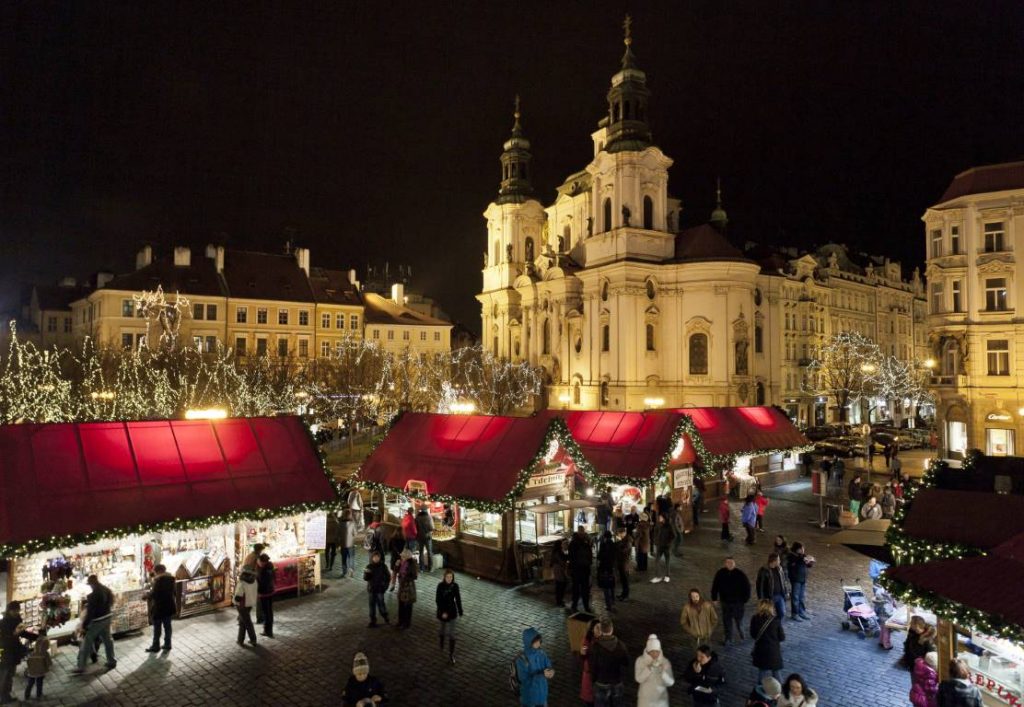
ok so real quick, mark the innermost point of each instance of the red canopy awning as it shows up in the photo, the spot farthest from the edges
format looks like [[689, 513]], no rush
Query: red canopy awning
[[625, 444], [981, 520], [744, 430], [65, 483], [477, 457]]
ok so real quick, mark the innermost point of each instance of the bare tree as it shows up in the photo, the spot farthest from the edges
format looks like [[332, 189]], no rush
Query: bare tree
[[845, 370]]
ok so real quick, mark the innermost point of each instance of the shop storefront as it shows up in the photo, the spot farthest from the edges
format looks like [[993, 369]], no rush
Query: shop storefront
[[956, 432], [116, 499], [504, 488], [999, 434]]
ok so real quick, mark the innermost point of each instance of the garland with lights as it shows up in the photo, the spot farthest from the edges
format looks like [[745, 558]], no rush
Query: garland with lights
[[908, 550], [56, 542], [557, 431]]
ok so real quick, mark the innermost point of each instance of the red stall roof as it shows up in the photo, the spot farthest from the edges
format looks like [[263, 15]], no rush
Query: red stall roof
[[982, 520], [744, 430], [61, 484], [479, 457], [624, 444]]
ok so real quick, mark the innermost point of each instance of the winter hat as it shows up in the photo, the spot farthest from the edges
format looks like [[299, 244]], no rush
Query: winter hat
[[653, 644], [932, 659], [360, 666], [771, 687]]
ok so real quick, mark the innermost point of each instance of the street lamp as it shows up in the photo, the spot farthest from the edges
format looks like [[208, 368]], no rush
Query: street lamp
[[206, 414], [929, 363]]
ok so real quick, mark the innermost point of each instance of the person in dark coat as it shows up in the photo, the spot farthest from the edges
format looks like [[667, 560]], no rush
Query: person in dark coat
[[731, 588], [396, 546], [333, 532], [377, 578], [623, 556], [161, 607], [662, 537], [581, 557], [12, 650], [766, 630], [449, 609], [425, 531], [362, 689], [609, 662], [958, 690], [799, 563], [705, 675], [606, 558], [560, 571], [265, 586]]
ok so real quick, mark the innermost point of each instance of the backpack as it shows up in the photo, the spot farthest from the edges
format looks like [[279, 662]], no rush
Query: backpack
[[513, 674]]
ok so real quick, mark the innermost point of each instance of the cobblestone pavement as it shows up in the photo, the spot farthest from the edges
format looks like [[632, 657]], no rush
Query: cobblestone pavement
[[310, 659]]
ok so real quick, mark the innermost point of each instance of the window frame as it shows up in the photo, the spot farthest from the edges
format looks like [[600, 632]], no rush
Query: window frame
[[325, 320], [262, 315], [693, 361], [998, 237], [997, 358], [303, 317], [241, 315], [993, 298], [282, 317]]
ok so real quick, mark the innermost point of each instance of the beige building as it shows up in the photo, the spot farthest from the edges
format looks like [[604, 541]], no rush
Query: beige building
[[624, 309], [253, 303], [396, 327], [975, 297]]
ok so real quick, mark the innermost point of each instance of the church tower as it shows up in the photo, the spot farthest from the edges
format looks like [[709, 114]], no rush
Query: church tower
[[515, 227]]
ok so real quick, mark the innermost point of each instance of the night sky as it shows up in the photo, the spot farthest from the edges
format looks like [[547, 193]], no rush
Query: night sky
[[374, 129]]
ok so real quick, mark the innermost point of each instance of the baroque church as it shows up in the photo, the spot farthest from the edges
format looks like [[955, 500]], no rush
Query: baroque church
[[621, 307]]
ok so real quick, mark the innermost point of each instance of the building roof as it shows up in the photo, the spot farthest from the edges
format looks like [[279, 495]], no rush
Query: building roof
[[984, 179], [333, 287], [266, 276], [472, 457], [381, 310], [61, 484], [59, 297], [982, 520], [704, 242], [198, 278], [744, 430]]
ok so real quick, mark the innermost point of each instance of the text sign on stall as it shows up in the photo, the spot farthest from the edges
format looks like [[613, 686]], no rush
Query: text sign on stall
[[682, 478], [544, 480], [316, 531], [1001, 692]]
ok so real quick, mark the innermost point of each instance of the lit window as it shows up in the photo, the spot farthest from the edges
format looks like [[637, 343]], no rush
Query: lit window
[[303, 317], [958, 305], [998, 351], [282, 316], [261, 316], [954, 240], [994, 234], [995, 294], [241, 315]]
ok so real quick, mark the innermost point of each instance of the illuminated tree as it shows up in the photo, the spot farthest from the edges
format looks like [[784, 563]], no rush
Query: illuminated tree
[[845, 370]]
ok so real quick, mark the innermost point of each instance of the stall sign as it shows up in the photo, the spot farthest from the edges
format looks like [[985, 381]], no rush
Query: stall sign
[[414, 486], [316, 531], [545, 479], [999, 417], [998, 690], [682, 478]]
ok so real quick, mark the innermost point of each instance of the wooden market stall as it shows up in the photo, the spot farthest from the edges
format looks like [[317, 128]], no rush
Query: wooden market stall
[[116, 498], [513, 485], [976, 597]]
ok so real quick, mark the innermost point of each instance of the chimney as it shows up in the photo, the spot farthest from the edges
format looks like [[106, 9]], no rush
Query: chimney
[[302, 258], [67, 282], [182, 256], [398, 294], [144, 257], [219, 259], [102, 278], [211, 251]]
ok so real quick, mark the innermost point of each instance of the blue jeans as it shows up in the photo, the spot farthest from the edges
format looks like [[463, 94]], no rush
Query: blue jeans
[[165, 624], [100, 628], [780, 605], [377, 603], [348, 560], [608, 695], [427, 549], [797, 598], [763, 673]]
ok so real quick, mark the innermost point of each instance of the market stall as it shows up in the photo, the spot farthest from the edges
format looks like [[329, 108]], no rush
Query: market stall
[[965, 570], [116, 498], [512, 485]]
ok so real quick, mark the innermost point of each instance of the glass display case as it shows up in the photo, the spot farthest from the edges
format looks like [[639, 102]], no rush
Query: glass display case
[[480, 524], [997, 666]]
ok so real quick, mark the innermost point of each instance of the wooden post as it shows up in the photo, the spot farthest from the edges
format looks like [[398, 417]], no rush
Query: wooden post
[[946, 638]]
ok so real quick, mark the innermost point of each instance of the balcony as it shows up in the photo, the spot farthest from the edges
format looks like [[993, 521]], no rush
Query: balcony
[[943, 381]]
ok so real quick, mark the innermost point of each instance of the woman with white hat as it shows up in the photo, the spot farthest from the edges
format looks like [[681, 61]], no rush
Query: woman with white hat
[[654, 673]]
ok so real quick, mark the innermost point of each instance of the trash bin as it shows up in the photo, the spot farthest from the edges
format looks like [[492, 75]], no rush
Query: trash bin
[[832, 515], [576, 626]]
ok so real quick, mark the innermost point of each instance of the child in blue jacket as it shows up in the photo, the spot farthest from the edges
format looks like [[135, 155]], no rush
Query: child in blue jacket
[[534, 669]]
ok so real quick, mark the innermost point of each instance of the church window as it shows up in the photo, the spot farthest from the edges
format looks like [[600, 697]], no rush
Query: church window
[[759, 394], [604, 291], [699, 354], [566, 238], [529, 250], [605, 337], [650, 289], [495, 349], [648, 213], [546, 338], [650, 337], [758, 339], [575, 393], [607, 214]]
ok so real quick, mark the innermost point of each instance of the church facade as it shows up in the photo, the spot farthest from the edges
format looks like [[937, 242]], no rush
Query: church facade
[[622, 307]]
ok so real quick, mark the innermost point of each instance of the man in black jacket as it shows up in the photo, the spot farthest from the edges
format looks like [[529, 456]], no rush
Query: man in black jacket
[[425, 530], [161, 607], [581, 557], [377, 578], [705, 675], [95, 623], [12, 650], [265, 585], [609, 662], [772, 584], [732, 589]]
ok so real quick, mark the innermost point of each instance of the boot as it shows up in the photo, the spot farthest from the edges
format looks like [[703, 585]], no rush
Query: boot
[[451, 650]]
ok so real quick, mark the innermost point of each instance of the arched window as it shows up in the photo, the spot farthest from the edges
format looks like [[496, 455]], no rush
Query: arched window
[[604, 393], [495, 346], [650, 337], [566, 238], [607, 214], [576, 393], [759, 394], [545, 346], [604, 291], [648, 213], [758, 338], [699, 354], [605, 337], [529, 250], [561, 244]]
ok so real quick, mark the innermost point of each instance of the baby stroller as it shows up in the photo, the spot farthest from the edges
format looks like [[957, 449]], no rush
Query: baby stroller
[[859, 614]]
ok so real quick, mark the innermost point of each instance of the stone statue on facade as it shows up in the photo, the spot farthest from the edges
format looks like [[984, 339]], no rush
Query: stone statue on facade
[[625, 215]]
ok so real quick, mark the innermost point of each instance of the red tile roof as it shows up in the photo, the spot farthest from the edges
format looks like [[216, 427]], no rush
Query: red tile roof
[[988, 178]]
